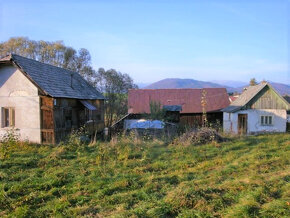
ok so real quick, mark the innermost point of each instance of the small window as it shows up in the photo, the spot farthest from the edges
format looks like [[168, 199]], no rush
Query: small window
[[266, 120], [8, 115], [90, 115]]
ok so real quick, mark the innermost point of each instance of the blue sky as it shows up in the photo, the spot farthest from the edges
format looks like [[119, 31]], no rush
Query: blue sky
[[153, 40]]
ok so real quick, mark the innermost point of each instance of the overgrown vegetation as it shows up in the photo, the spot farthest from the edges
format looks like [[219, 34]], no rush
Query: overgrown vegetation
[[128, 177], [199, 136]]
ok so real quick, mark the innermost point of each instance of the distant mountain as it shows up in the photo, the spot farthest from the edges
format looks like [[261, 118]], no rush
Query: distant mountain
[[175, 83], [230, 83], [283, 89], [142, 85]]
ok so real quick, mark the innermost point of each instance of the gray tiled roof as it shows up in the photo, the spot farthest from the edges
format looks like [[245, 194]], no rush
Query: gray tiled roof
[[56, 81], [245, 97]]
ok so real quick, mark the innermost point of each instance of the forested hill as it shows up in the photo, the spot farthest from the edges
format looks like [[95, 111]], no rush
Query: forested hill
[[176, 83]]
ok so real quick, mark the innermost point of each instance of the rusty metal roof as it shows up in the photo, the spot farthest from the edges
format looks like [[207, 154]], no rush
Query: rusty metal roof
[[190, 99]]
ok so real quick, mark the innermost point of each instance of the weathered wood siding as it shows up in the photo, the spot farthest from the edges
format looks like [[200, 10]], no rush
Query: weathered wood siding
[[267, 99], [47, 120], [70, 114], [195, 120]]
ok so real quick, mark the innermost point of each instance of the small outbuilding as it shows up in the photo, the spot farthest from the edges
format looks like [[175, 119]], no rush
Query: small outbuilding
[[259, 108], [44, 103]]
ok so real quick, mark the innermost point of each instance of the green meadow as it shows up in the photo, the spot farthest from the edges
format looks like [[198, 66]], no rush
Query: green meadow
[[127, 177]]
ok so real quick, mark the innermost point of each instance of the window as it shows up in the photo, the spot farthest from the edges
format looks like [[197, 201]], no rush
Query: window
[[90, 114], [8, 117], [266, 120]]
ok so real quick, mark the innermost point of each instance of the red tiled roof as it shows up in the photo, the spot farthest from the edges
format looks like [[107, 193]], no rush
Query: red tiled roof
[[190, 99]]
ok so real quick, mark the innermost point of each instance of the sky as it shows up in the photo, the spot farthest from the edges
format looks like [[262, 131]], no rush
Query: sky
[[154, 39]]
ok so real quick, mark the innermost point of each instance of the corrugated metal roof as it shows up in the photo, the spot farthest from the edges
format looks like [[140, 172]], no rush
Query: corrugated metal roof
[[189, 99], [55, 81]]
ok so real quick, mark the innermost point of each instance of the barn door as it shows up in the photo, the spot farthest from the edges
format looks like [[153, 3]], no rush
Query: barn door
[[47, 121], [242, 123]]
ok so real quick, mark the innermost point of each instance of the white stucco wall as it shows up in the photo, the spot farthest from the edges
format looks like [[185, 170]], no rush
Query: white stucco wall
[[230, 120], [18, 92]]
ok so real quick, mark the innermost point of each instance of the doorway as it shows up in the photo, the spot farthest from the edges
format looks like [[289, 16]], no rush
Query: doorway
[[242, 123]]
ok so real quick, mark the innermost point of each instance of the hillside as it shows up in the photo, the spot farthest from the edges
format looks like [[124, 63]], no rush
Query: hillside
[[231, 83], [231, 86], [175, 83], [246, 177]]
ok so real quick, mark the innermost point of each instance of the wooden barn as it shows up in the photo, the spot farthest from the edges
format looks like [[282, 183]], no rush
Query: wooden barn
[[44, 103], [259, 108], [190, 101]]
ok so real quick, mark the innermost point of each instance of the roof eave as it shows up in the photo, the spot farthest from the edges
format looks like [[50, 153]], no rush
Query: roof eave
[[28, 77]]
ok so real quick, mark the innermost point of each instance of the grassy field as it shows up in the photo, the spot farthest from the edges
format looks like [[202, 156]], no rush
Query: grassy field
[[243, 177]]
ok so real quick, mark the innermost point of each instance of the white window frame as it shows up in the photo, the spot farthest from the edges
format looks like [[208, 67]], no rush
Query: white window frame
[[266, 117]]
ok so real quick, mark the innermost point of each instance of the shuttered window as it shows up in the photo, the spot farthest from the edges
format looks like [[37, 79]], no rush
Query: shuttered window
[[8, 117]]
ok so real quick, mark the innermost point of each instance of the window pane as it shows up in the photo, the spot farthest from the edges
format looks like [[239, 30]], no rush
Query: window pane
[[262, 120], [266, 120], [270, 120], [6, 117]]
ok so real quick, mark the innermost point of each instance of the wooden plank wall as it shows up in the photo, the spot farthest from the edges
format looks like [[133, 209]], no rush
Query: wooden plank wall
[[60, 116], [195, 120], [267, 99], [70, 114], [47, 120]]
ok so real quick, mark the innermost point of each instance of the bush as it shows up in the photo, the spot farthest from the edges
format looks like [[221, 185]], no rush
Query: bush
[[199, 136], [77, 139], [7, 142]]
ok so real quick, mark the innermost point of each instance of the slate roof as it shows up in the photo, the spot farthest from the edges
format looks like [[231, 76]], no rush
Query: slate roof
[[189, 99], [247, 96], [54, 81]]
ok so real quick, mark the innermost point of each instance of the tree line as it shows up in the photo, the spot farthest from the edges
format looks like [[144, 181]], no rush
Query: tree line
[[113, 84]]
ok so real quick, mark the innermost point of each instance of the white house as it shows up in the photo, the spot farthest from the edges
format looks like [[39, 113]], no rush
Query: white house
[[259, 108], [44, 103]]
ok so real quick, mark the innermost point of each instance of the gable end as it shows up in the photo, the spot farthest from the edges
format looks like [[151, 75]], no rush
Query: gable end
[[267, 98]]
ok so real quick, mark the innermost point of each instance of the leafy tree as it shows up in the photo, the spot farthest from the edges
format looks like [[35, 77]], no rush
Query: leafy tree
[[54, 53], [115, 86], [253, 82], [156, 111]]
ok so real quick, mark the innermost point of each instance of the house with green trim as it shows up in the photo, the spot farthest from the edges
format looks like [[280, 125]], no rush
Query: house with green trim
[[259, 108]]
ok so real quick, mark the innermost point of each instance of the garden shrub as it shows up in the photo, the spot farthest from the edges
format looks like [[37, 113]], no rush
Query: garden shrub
[[8, 142], [199, 136]]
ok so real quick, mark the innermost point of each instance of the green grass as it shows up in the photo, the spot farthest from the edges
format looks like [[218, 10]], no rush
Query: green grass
[[245, 177]]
